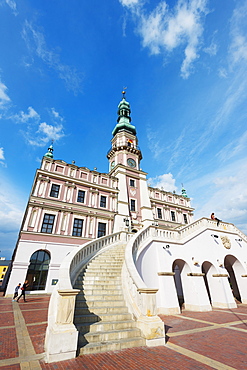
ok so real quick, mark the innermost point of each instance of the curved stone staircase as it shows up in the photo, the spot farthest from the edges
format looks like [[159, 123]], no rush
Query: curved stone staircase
[[101, 315]]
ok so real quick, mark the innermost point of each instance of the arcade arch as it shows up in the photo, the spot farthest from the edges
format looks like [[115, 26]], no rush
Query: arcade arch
[[38, 270], [235, 271]]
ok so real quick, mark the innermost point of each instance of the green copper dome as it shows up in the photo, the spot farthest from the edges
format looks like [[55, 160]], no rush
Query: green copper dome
[[124, 118], [184, 193], [49, 154]]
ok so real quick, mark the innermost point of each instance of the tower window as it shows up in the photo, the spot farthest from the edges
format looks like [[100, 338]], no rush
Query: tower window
[[77, 227], [81, 196], [185, 218], [159, 214], [102, 201], [48, 222], [173, 216], [132, 205], [132, 183], [54, 190], [101, 229]]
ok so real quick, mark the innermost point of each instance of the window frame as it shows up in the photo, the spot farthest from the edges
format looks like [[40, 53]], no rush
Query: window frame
[[132, 205], [45, 229], [185, 218], [55, 193], [173, 216], [132, 183], [79, 196], [77, 230], [103, 202], [101, 229], [159, 213]]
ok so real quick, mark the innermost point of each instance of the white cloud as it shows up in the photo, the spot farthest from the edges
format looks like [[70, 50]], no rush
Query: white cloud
[[25, 117], [129, 3], [238, 47], [12, 5], [165, 181], [4, 98], [222, 72], [164, 29], [233, 148], [2, 154], [36, 43], [56, 115], [224, 192], [211, 49]]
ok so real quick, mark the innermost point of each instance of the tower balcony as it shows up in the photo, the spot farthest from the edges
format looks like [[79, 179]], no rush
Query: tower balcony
[[135, 149]]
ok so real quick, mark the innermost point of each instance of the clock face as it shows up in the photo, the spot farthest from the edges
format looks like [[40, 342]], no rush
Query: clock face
[[131, 162], [112, 164]]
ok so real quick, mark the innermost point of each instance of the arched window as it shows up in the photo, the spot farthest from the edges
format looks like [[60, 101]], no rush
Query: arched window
[[38, 270]]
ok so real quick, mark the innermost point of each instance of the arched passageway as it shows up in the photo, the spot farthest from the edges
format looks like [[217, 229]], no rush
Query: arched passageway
[[235, 270], [38, 270]]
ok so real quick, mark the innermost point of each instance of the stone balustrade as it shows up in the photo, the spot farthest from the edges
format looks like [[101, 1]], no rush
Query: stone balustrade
[[61, 334]]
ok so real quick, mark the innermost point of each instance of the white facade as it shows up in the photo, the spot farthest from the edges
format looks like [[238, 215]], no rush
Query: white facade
[[71, 205]]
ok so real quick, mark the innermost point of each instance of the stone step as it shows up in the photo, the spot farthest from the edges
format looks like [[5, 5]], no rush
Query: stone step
[[101, 296], [101, 273], [112, 345], [101, 310], [108, 335], [99, 303], [89, 318], [105, 268], [100, 326], [92, 279], [88, 291]]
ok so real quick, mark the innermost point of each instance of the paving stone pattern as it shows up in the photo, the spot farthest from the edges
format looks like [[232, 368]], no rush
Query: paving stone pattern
[[195, 341]]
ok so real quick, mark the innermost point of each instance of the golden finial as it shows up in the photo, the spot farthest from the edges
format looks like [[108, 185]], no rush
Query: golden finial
[[124, 91]]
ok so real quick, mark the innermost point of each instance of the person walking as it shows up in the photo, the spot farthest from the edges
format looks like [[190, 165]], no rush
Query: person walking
[[16, 291], [23, 291]]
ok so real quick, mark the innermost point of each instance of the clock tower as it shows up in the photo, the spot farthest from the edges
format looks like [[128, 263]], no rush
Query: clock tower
[[134, 208]]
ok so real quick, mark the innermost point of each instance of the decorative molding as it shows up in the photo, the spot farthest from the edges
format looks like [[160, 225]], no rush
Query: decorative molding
[[147, 290], [220, 275], [195, 274], [166, 273], [226, 242]]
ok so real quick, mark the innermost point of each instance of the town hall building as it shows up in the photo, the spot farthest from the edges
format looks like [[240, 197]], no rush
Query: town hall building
[[114, 253]]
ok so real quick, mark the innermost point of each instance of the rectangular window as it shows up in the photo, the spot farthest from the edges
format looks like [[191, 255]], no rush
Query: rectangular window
[[173, 216], [132, 183], [48, 222], [103, 201], [132, 205], [54, 190], [4, 269], [77, 227], [185, 218], [81, 196], [101, 229], [159, 213]]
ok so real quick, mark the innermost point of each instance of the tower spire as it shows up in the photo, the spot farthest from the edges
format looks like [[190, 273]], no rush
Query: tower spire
[[49, 153], [124, 119]]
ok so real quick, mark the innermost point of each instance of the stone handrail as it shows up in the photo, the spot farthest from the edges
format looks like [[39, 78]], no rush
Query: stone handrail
[[61, 334], [203, 223], [140, 299]]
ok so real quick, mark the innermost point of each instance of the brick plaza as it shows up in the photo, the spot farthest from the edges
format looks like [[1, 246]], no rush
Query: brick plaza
[[195, 341]]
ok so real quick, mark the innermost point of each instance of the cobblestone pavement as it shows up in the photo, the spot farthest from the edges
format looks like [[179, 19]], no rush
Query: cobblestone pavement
[[195, 341]]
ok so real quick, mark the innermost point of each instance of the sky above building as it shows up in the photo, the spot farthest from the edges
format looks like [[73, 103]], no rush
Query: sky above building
[[63, 65]]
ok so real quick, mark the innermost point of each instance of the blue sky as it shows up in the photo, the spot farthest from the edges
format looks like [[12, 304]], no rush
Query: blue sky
[[63, 65]]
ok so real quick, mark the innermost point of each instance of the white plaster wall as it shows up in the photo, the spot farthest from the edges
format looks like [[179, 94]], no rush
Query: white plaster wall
[[203, 247], [24, 252]]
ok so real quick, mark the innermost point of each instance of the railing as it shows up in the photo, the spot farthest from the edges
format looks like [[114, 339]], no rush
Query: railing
[[61, 334], [124, 145], [140, 299]]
